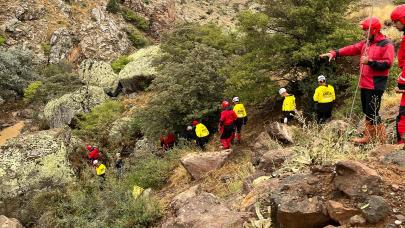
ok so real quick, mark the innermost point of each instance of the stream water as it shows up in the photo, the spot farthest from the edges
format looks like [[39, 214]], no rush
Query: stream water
[[11, 132]]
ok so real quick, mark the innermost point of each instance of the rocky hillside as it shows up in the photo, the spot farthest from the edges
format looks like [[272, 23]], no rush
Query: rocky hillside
[[76, 30]]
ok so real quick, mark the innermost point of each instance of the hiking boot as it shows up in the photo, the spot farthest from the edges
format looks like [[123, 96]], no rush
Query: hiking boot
[[369, 133], [381, 135]]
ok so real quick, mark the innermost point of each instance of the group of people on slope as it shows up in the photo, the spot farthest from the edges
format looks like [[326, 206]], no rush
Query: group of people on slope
[[324, 98], [101, 169]]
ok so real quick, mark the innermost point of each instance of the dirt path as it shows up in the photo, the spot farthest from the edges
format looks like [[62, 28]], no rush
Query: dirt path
[[11, 132]]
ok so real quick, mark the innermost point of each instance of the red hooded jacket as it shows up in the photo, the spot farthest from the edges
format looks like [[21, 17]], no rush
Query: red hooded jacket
[[380, 53], [227, 117], [94, 154], [401, 64]]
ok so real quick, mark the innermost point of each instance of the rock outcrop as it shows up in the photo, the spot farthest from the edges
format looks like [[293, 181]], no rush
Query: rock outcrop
[[280, 132], [340, 213], [274, 159], [60, 111], [396, 158], [376, 209], [61, 43], [34, 162]]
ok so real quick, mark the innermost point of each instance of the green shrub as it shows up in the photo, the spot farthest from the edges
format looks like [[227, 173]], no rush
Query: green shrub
[[398, 2], [17, 70], [113, 6], [120, 63], [46, 48], [95, 125], [137, 39], [2, 40], [31, 91], [139, 21]]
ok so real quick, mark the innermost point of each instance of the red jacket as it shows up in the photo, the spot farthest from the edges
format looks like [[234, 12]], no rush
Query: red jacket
[[94, 154], [227, 117], [381, 54], [169, 139], [401, 64]]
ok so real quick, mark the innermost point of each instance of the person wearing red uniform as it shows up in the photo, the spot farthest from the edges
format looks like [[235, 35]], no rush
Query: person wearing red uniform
[[167, 142], [398, 18], [226, 124], [377, 56], [94, 153]]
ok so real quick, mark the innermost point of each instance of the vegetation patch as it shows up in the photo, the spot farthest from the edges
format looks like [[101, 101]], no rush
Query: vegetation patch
[[120, 63]]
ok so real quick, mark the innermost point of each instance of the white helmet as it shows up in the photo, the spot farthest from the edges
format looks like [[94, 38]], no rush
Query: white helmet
[[189, 128], [235, 99], [95, 162], [321, 78], [282, 90]]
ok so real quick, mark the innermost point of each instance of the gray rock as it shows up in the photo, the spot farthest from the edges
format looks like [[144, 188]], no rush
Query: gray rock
[[2, 101], [281, 132], [29, 12], [97, 15], [60, 111], [9, 222], [34, 162], [376, 209], [119, 128], [357, 220], [356, 179], [397, 158], [200, 164], [139, 73], [262, 145], [204, 210], [274, 159], [61, 43], [99, 73]]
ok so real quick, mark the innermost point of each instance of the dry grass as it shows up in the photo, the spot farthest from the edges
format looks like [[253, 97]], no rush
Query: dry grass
[[324, 145]]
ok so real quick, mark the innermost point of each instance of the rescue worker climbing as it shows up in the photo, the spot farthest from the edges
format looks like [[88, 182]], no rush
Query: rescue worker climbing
[[100, 171], [201, 133], [226, 124], [377, 54], [240, 111], [398, 18], [167, 141], [324, 97], [94, 153], [289, 106]]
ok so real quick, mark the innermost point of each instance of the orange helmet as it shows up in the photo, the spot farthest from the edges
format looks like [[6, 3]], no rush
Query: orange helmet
[[373, 24]]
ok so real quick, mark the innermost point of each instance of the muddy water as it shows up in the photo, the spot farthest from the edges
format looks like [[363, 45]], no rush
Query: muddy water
[[11, 132]]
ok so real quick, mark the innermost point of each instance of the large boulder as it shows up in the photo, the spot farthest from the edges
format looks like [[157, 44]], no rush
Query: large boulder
[[139, 73], [357, 180], [203, 210], [60, 111], [274, 159], [296, 202], [99, 73], [9, 222], [262, 145], [396, 158], [118, 129], [261, 188], [281, 132], [200, 164], [33, 162], [376, 209]]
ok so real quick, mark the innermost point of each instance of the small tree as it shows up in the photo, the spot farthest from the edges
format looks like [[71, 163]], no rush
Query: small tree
[[185, 90]]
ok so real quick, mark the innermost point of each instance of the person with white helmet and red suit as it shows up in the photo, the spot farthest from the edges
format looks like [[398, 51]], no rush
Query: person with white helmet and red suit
[[226, 124], [240, 111], [398, 19], [324, 97], [289, 107], [377, 56]]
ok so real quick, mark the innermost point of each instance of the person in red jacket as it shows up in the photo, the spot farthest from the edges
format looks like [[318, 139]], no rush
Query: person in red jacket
[[226, 124], [377, 55], [167, 142], [94, 152], [398, 18]]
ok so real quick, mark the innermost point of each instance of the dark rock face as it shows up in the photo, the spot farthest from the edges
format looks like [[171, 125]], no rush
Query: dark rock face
[[376, 209]]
